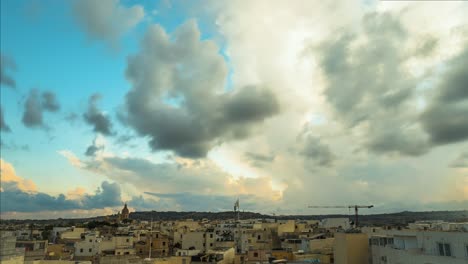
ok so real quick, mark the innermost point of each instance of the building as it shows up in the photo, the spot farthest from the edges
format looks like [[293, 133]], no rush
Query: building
[[125, 213], [9, 254], [156, 242], [415, 246], [351, 248], [335, 223], [89, 246]]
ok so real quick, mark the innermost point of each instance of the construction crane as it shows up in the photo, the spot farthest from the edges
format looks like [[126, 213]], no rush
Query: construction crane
[[356, 210]]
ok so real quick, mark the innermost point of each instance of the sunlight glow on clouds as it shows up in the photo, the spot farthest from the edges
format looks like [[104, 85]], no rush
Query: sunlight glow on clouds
[[328, 102]]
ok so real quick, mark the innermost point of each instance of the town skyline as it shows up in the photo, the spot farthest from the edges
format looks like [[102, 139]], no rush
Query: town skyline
[[174, 106]]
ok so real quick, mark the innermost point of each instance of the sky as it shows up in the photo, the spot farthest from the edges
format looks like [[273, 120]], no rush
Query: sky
[[190, 105]]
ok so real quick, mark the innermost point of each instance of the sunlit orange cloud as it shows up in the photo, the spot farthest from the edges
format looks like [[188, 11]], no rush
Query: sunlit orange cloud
[[74, 160], [261, 187], [76, 194], [8, 174]]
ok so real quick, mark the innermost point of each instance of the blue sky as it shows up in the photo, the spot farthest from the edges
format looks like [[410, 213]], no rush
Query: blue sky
[[220, 99]]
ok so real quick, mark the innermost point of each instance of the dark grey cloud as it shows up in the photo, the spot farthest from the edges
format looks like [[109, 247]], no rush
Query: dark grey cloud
[[72, 117], [461, 161], [410, 143], [93, 148], [446, 117], [426, 46], [3, 125], [34, 106], [32, 116], [106, 20], [16, 200], [49, 102], [13, 146], [258, 159], [206, 202], [141, 203], [178, 98], [94, 117], [313, 149], [7, 65], [368, 85]]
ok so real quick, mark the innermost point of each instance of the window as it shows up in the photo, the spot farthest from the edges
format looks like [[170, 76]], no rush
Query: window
[[164, 243], [211, 244], [211, 235], [90, 240], [128, 240], [184, 261], [259, 237], [255, 254], [90, 250], [81, 250], [444, 249], [390, 241]]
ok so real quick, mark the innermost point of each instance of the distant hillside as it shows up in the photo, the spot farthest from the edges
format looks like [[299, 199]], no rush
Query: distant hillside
[[402, 218]]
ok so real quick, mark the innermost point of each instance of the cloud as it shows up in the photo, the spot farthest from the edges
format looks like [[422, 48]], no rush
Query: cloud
[[94, 117], [178, 97], [203, 203], [15, 199], [96, 146], [107, 20], [175, 176], [13, 146], [316, 151], [8, 176], [146, 175], [461, 161], [3, 125], [370, 88], [7, 64], [32, 116], [49, 102], [258, 159], [35, 105], [446, 117], [74, 160]]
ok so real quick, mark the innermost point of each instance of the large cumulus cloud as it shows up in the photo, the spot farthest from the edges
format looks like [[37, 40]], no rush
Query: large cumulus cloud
[[446, 117], [178, 96], [370, 88]]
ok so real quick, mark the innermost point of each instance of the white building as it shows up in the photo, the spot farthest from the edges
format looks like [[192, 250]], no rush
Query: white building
[[88, 247], [418, 247], [329, 223]]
